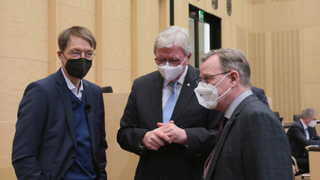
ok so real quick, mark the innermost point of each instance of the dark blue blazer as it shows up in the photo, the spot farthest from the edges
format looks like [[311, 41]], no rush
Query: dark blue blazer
[[144, 110], [298, 141], [45, 142], [260, 94]]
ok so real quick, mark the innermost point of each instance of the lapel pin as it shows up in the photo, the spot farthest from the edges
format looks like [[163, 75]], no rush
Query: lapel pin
[[188, 84]]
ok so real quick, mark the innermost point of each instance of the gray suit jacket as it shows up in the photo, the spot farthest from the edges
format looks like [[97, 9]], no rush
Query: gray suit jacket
[[253, 146]]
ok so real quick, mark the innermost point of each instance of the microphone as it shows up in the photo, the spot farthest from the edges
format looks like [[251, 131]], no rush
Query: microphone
[[87, 108]]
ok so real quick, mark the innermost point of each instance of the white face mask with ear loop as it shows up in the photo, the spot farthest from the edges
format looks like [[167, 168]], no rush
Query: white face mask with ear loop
[[171, 72], [208, 95], [313, 123]]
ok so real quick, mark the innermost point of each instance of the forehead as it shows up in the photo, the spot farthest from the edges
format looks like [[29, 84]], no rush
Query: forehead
[[76, 42], [211, 66], [175, 51]]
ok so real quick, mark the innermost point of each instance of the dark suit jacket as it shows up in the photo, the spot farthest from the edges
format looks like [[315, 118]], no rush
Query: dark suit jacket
[[298, 141], [45, 143], [253, 146], [144, 110], [260, 94]]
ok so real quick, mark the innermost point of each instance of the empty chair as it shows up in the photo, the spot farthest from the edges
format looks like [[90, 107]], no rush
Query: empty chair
[[107, 89], [296, 117]]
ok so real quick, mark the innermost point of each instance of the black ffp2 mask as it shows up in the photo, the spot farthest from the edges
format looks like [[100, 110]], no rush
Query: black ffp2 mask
[[78, 67]]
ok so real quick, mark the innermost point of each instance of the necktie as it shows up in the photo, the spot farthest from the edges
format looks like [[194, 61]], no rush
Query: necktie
[[223, 122], [171, 102], [306, 132]]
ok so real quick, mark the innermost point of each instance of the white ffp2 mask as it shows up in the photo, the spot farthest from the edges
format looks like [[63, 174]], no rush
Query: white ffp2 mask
[[208, 95], [171, 72]]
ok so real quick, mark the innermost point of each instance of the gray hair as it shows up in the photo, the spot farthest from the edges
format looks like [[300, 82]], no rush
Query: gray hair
[[232, 59], [308, 112], [173, 36]]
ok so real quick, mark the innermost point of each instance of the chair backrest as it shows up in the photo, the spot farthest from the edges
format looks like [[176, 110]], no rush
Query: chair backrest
[[107, 89], [296, 117]]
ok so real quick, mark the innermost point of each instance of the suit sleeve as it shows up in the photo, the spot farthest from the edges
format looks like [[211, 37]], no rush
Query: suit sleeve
[[266, 151], [313, 133], [203, 139], [297, 134], [130, 134], [31, 121]]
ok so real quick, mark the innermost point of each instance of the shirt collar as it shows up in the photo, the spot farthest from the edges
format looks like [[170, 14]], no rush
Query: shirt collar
[[304, 126], [234, 104], [71, 86], [180, 80]]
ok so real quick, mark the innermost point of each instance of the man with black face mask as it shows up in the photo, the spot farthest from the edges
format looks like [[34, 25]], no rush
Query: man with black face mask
[[60, 132]]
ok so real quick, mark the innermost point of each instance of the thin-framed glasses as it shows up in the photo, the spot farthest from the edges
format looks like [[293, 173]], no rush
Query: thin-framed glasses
[[162, 61], [78, 54], [312, 118], [205, 80]]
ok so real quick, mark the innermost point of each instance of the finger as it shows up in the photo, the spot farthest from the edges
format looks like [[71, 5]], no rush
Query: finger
[[159, 124], [153, 142], [164, 137]]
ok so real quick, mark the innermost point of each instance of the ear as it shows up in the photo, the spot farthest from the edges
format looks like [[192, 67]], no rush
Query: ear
[[188, 59], [59, 53], [235, 78]]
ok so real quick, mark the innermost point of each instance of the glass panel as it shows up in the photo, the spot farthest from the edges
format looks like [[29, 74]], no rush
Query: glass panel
[[192, 39], [204, 39]]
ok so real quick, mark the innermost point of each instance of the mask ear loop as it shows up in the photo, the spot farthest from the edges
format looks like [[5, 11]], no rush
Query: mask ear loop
[[221, 80], [65, 58], [224, 92]]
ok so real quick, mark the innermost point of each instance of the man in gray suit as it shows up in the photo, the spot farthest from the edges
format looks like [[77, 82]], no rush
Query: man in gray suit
[[252, 144]]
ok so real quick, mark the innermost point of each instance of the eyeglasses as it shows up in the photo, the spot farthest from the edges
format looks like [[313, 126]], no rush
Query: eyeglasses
[[312, 118], [205, 80], [162, 61], [77, 55]]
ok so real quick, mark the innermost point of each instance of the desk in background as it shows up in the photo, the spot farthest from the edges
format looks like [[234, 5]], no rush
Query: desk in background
[[314, 162]]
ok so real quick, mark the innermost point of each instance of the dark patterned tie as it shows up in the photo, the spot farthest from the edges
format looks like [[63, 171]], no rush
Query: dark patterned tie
[[223, 122]]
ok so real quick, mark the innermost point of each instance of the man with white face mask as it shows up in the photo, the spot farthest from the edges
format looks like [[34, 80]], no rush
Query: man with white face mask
[[163, 122], [301, 134], [252, 144]]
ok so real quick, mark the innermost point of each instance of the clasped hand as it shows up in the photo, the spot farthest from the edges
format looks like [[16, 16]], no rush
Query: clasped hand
[[165, 133]]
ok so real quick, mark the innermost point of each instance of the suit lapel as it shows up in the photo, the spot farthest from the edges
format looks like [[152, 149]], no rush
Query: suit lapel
[[225, 134], [155, 90], [186, 93], [64, 93], [90, 115], [302, 128], [219, 147]]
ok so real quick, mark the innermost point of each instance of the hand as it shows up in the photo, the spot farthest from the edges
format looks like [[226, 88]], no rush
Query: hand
[[176, 134], [153, 140], [294, 170]]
